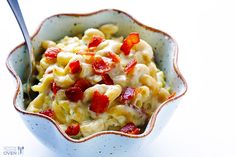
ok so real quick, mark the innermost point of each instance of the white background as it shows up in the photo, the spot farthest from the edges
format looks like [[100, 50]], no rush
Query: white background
[[204, 124]]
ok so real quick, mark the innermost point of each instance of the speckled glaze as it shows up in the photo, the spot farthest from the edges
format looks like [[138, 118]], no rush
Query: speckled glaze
[[106, 143]]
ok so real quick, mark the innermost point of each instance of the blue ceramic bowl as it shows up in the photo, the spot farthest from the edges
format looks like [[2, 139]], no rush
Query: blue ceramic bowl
[[106, 142]]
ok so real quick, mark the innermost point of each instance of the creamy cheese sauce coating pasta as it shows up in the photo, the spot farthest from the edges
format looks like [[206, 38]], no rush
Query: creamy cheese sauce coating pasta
[[99, 82]]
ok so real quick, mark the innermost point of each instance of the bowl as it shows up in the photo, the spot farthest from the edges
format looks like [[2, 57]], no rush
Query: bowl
[[105, 142]]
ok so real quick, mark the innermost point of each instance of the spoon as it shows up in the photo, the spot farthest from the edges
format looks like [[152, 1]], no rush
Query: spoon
[[18, 15]]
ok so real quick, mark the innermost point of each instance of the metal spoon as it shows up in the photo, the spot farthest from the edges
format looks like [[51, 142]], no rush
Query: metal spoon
[[18, 15]]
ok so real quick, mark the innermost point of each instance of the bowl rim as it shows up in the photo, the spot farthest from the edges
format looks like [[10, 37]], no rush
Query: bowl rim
[[155, 114]]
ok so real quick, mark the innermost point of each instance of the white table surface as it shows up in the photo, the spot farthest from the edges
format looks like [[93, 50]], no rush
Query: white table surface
[[204, 124]]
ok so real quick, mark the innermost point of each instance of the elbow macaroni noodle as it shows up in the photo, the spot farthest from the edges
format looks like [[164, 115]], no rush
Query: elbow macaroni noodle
[[147, 80]]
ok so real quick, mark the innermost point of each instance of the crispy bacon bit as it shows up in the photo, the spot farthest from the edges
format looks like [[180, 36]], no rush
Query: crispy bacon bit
[[73, 129], [130, 128], [75, 67], [51, 53], [83, 84], [107, 79], [49, 113], [74, 93], [172, 95], [99, 103], [129, 42], [54, 88], [96, 40], [100, 66], [115, 58], [127, 95], [130, 66]]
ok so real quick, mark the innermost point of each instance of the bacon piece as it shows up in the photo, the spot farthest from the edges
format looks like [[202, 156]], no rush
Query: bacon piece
[[107, 79], [73, 129], [129, 42], [130, 128], [74, 93], [100, 66], [83, 84], [115, 58], [130, 66], [54, 88], [127, 95], [75, 67], [99, 103], [49, 113], [51, 53], [95, 41]]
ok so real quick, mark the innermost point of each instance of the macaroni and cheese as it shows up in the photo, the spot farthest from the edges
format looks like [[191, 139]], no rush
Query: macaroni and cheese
[[99, 82]]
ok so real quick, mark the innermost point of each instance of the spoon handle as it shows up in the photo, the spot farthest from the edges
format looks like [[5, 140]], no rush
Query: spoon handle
[[18, 15], [17, 12]]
